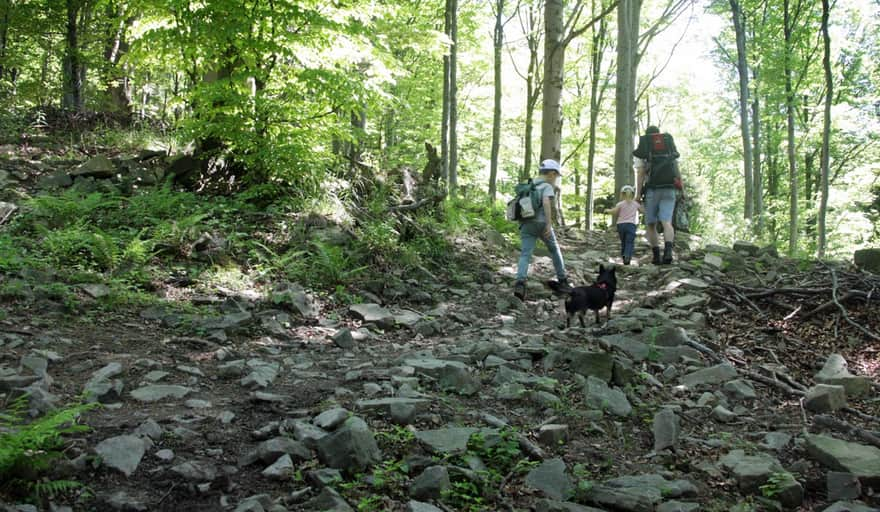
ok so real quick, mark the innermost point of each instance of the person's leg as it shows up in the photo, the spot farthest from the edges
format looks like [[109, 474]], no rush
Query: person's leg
[[621, 233], [556, 256], [664, 215], [629, 243], [651, 211], [527, 235]]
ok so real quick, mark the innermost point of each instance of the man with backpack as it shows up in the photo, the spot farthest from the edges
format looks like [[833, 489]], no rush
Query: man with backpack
[[533, 208], [658, 178]]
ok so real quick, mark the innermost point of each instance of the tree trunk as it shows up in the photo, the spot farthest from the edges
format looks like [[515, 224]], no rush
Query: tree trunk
[[444, 122], [826, 130], [627, 63], [115, 46], [6, 6], [453, 101], [71, 64], [554, 61], [792, 158], [758, 188], [595, 78], [743, 71], [498, 41]]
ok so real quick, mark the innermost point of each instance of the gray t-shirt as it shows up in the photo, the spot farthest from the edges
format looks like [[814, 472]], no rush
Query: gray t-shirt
[[544, 190]]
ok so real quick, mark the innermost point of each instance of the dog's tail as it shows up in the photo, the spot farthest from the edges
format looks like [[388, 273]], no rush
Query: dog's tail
[[558, 288]]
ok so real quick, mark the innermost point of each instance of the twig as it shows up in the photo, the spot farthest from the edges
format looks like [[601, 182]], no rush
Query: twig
[[843, 311], [827, 421], [773, 382], [173, 485]]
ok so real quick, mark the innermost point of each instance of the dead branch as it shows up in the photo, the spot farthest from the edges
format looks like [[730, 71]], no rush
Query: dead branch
[[843, 310], [824, 420]]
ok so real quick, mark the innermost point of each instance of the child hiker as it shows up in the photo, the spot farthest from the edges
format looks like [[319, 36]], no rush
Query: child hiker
[[627, 211], [541, 226]]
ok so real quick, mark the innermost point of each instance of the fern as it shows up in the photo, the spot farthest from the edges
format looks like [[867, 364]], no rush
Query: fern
[[27, 450]]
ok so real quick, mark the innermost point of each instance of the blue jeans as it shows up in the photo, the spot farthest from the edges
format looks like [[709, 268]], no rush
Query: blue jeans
[[627, 233], [530, 232]]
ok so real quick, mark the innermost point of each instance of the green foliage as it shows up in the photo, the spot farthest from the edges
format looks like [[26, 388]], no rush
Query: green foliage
[[29, 449]]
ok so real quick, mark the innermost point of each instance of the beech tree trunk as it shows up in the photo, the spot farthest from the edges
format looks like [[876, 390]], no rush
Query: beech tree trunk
[[628, 12], [554, 62], [793, 227], [757, 176], [453, 101], [826, 129], [444, 122], [742, 69], [498, 41]]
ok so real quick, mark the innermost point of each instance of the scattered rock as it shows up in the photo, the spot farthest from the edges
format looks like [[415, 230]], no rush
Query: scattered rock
[[740, 389], [350, 448], [723, 414], [825, 398], [418, 506], [601, 397], [196, 471], [431, 483], [666, 428], [842, 486], [595, 364], [835, 371], [99, 167], [328, 501], [343, 338], [331, 418], [372, 313], [551, 479], [262, 374], [562, 506], [156, 392], [281, 469], [295, 298], [753, 471], [122, 453], [451, 440], [553, 435], [861, 460], [717, 374], [272, 449]]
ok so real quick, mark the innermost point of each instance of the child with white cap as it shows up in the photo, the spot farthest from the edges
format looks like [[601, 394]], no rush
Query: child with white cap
[[627, 212]]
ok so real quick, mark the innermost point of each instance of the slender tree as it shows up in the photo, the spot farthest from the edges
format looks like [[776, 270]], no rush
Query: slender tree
[[826, 128], [628, 12], [554, 64], [793, 229], [444, 121], [743, 71], [453, 100]]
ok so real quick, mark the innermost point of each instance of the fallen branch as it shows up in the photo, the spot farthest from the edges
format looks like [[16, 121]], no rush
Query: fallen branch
[[824, 420], [773, 382], [830, 304], [843, 310], [525, 444]]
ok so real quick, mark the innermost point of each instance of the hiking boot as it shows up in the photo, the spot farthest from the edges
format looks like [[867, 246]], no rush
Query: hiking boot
[[519, 290], [656, 258], [626, 260], [667, 253]]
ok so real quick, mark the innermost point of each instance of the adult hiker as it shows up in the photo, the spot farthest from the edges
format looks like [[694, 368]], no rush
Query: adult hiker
[[540, 226], [658, 177]]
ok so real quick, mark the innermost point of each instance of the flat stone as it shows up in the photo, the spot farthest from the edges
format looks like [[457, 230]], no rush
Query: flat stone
[[633, 348], [272, 449], [868, 259], [717, 374], [418, 506], [666, 429], [352, 447], [858, 459], [452, 440], [385, 405], [431, 483], [343, 338], [96, 291], [553, 435], [262, 374], [723, 414], [740, 390], [331, 418], [328, 500], [678, 506], [835, 371], [196, 471], [688, 301], [99, 167], [842, 486], [848, 506], [371, 313], [156, 392], [776, 441], [550, 478], [823, 398], [601, 397], [546, 505], [750, 471], [122, 453], [713, 260], [281, 469]]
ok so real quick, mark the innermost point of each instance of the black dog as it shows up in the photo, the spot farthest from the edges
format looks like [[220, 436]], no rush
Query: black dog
[[596, 296]]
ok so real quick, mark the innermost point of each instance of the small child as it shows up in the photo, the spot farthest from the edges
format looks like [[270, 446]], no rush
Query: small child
[[627, 211]]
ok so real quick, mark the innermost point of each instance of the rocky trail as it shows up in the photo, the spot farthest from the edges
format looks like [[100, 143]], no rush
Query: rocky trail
[[730, 380]]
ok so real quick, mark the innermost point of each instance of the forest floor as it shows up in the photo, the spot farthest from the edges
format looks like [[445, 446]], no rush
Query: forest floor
[[691, 397]]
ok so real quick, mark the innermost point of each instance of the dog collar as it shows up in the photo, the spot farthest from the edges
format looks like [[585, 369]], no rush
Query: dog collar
[[602, 285]]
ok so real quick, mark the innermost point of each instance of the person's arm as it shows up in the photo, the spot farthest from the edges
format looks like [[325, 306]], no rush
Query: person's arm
[[640, 206], [547, 201], [613, 211], [640, 182]]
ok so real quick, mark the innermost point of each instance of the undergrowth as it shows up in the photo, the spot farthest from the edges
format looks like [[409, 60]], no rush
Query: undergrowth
[[28, 450]]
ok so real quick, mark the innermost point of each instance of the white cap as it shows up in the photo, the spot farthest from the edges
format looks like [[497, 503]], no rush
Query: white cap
[[627, 188], [550, 165]]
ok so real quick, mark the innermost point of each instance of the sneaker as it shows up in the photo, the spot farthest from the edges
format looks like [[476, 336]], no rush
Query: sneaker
[[519, 290]]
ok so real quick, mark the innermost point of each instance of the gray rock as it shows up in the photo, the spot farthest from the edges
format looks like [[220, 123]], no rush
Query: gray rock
[[848, 506], [599, 396], [271, 449], [324, 477], [450, 375], [99, 167], [297, 299], [124, 502], [858, 459], [671, 337], [403, 414], [688, 301], [592, 364], [868, 259], [750, 471], [196, 471], [262, 374], [418, 506], [385, 405], [825, 398], [842, 486], [776, 441], [551, 479], [122, 453], [156, 392], [666, 429], [746, 247], [713, 260], [835, 371], [740, 389], [352, 447], [372, 313], [331, 418], [678, 506], [723, 414], [165, 455], [101, 387], [553, 435], [281, 469], [562, 506], [149, 428], [626, 343], [328, 501], [257, 503], [431, 483], [717, 374], [343, 338], [452, 440]]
